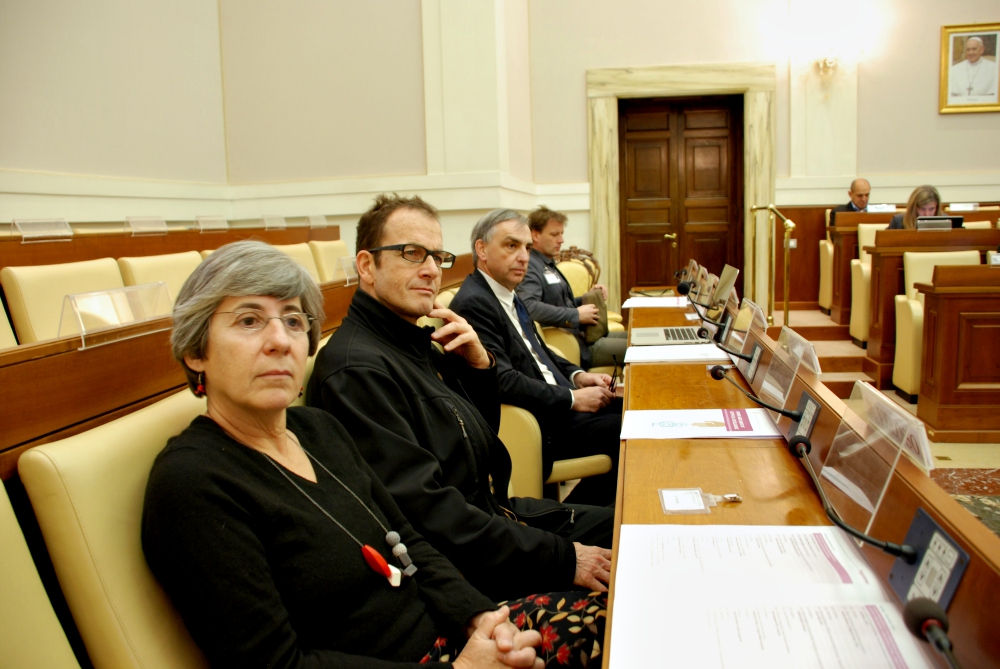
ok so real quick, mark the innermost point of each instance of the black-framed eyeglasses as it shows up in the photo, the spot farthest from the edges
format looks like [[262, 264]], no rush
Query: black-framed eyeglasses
[[416, 253], [254, 320]]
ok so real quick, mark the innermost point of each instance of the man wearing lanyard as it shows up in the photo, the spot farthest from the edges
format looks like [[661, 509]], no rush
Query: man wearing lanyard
[[547, 296]]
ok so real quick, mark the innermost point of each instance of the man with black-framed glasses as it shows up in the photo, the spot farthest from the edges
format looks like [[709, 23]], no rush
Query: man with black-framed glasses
[[426, 421]]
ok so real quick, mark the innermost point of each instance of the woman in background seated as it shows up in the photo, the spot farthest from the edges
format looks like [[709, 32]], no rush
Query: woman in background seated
[[271, 535], [924, 201]]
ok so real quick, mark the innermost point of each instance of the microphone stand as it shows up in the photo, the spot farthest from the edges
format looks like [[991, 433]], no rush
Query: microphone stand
[[800, 447]]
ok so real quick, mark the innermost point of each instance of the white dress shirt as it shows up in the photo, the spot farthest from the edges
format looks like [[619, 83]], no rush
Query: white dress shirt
[[506, 298]]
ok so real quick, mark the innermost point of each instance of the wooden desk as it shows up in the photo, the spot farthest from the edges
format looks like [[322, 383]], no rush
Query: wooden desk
[[888, 281], [844, 236], [777, 491], [960, 372]]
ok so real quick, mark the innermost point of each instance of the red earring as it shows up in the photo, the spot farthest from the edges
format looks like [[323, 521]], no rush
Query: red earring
[[199, 390]]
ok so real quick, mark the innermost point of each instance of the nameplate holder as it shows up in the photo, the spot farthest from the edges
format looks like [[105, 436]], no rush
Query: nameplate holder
[[963, 206], [750, 368], [348, 269], [146, 226], [274, 222], [881, 209], [34, 231], [810, 409], [317, 221], [940, 564], [104, 316], [212, 224], [994, 259]]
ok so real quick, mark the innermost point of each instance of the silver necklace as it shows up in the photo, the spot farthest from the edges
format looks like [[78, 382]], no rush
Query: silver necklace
[[374, 559]]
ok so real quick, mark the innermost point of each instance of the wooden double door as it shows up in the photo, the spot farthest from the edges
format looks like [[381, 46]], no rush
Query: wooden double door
[[681, 186]]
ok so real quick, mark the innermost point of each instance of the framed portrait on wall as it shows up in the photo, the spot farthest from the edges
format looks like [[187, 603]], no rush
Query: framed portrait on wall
[[970, 68]]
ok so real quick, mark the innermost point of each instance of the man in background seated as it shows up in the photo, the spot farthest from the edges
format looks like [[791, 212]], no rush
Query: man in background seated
[[577, 412], [549, 300], [859, 192], [427, 421]]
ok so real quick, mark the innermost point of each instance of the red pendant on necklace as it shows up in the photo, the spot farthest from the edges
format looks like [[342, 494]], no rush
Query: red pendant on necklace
[[376, 561]]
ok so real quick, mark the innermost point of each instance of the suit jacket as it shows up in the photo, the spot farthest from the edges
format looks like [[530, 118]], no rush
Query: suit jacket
[[552, 303], [521, 382], [849, 207]]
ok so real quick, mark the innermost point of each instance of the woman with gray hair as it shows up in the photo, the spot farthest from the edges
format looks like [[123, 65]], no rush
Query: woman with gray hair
[[273, 538]]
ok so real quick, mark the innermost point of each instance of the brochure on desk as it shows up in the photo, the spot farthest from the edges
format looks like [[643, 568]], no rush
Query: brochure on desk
[[720, 596], [650, 302], [699, 424]]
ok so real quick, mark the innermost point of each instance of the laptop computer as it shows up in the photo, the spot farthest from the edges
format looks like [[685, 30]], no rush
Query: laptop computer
[[939, 222], [686, 334]]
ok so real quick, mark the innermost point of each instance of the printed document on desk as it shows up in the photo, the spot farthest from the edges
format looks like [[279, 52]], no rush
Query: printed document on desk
[[687, 353], [699, 424], [637, 302], [718, 596]]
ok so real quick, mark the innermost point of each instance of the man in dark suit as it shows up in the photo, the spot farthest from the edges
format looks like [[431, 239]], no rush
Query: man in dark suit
[[549, 300], [859, 192], [576, 410]]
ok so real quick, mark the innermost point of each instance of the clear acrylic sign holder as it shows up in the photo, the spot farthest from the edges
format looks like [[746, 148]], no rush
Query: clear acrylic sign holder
[[212, 224], [799, 348], [44, 230], [749, 318], [347, 269], [274, 222], [101, 317], [900, 426], [146, 226], [863, 456], [317, 221], [792, 350]]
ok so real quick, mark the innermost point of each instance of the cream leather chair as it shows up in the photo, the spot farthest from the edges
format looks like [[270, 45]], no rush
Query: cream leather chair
[[30, 633], [978, 225], [7, 338], [579, 279], [326, 255], [87, 492], [861, 280], [300, 401], [35, 293], [917, 268], [826, 270], [172, 268], [521, 435], [206, 253], [303, 255]]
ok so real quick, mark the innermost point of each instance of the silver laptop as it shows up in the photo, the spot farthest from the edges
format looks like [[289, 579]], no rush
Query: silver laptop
[[685, 334]]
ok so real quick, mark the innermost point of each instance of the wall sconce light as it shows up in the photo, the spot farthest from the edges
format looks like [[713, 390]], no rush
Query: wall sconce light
[[827, 65]]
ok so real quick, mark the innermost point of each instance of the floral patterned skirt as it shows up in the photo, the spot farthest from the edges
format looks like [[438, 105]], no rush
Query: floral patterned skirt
[[571, 625]]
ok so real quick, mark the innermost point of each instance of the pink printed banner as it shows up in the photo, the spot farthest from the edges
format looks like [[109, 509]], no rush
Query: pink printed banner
[[736, 420]]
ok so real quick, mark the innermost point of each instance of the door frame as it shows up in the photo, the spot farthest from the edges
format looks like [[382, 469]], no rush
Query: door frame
[[755, 81]]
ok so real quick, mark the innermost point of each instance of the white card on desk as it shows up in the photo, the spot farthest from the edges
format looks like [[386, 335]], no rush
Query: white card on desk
[[636, 302], [692, 317], [686, 353], [699, 424]]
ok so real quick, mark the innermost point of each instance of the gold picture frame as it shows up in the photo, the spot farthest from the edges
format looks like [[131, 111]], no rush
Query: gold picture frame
[[970, 68]]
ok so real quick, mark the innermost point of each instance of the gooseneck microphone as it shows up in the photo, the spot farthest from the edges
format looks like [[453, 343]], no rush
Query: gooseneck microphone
[[719, 373], [800, 447], [684, 288], [928, 622]]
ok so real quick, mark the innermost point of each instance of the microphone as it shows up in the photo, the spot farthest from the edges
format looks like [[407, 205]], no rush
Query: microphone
[[719, 373], [684, 288], [928, 622], [800, 447]]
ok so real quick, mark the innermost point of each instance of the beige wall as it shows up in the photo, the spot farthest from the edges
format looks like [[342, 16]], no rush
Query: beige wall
[[568, 37], [899, 127], [518, 65], [317, 89], [899, 130], [112, 88]]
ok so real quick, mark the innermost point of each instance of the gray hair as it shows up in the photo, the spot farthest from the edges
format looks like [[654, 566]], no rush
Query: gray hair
[[242, 268], [487, 224]]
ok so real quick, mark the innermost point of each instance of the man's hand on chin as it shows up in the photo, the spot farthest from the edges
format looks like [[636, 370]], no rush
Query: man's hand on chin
[[457, 336]]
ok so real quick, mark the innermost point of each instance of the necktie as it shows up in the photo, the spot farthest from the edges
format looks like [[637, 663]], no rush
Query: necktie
[[529, 334]]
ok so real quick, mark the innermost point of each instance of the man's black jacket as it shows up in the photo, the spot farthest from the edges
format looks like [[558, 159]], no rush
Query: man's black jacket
[[426, 422]]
